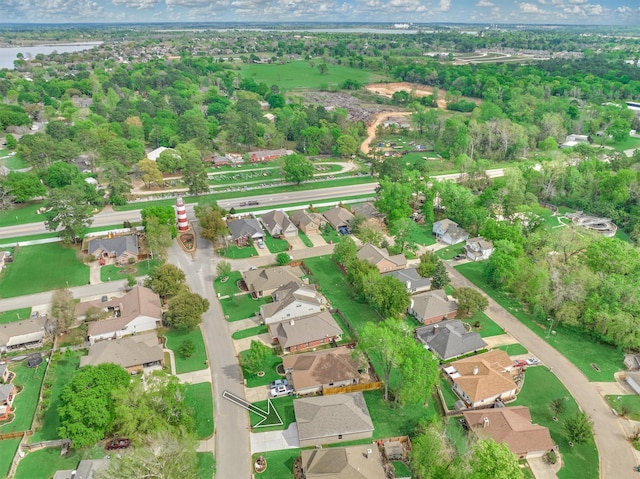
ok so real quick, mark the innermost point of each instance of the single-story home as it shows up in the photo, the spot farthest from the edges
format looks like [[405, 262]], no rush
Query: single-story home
[[354, 462], [136, 312], [338, 217], [244, 228], [304, 332], [24, 334], [265, 281], [449, 232], [310, 373], [478, 249], [278, 224], [135, 353], [7, 395], [449, 339], [87, 469], [366, 210], [308, 223], [481, 380], [511, 426], [432, 306], [267, 155], [331, 419], [155, 154], [121, 248], [292, 301], [381, 259], [412, 280]]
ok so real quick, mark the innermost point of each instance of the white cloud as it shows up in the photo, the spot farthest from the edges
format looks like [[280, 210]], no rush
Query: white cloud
[[445, 5], [531, 8], [137, 4], [485, 3], [624, 9], [586, 10], [578, 2]]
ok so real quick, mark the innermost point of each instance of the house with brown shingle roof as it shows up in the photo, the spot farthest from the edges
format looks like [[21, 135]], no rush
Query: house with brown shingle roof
[[310, 373], [512, 426], [134, 353], [305, 332], [338, 217], [432, 306], [278, 224], [481, 380], [292, 301], [24, 334], [136, 312], [308, 223], [265, 281], [381, 259], [354, 462]]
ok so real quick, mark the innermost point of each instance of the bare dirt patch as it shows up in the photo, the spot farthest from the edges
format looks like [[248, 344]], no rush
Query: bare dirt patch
[[388, 89]]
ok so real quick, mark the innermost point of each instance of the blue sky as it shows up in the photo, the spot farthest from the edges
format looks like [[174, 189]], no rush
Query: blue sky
[[598, 12]]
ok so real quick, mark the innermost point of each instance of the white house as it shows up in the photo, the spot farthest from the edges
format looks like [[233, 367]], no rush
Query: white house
[[478, 249]]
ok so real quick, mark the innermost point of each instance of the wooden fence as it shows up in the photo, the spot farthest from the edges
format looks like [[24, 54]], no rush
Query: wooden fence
[[13, 435], [351, 388]]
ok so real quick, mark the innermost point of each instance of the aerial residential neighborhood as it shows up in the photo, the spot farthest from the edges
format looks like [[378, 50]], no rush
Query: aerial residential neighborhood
[[272, 253]]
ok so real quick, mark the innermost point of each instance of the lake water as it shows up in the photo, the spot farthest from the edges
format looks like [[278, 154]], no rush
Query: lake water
[[9, 54]]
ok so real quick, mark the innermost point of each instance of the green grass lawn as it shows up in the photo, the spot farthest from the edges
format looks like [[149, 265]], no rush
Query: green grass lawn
[[347, 337], [21, 239], [269, 368], [450, 251], [487, 327], [330, 235], [279, 463], [237, 308], [392, 422], [333, 284], [276, 245], [305, 239], [401, 469], [540, 388], [112, 272], [247, 333], [230, 286], [25, 274], [629, 143], [21, 215], [206, 465], [44, 463], [199, 398], [14, 315], [60, 373], [513, 349], [25, 401], [300, 74], [8, 449], [457, 435], [629, 404], [449, 396], [424, 235], [234, 252], [14, 162], [198, 359], [575, 345], [284, 406]]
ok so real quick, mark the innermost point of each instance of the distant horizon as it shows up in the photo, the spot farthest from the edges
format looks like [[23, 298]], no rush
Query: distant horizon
[[504, 12]]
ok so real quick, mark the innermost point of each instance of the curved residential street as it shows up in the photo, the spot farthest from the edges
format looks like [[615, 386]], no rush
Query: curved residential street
[[617, 458]]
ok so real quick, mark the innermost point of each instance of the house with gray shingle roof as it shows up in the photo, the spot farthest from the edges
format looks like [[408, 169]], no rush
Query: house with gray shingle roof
[[133, 353], [291, 301], [265, 281], [354, 462], [278, 224], [25, 334], [243, 229], [478, 249], [331, 419], [432, 306], [412, 280], [449, 339], [121, 248], [449, 232]]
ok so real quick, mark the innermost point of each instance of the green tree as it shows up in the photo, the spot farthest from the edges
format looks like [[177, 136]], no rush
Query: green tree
[[323, 68], [170, 161], [393, 200], [346, 145], [186, 310], [166, 280], [115, 174], [63, 309], [165, 215], [432, 456], [440, 277], [283, 259], [158, 237], [194, 175], [345, 252], [87, 411], [470, 301], [61, 174], [388, 295], [490, 460], [186, 349], [223, 268], [404, 231], [257, 357], [428, 262], [11, 142], [68, 209], [150, 173], [24, 186], [556, 406], [578, 428], [211, 219], [297, 168]]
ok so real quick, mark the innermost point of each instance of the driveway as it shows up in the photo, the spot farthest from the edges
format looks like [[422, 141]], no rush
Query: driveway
[[275, 440], [296, 243], [317, 239], [541, 468], [617, 457], [500, 340]]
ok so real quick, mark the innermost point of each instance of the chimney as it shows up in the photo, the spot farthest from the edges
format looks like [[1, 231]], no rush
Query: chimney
[[292, 322], [485, 422], [475, 370], [436, 329]]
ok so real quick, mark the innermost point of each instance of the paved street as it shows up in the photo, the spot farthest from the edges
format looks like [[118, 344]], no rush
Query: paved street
[[617, 458]]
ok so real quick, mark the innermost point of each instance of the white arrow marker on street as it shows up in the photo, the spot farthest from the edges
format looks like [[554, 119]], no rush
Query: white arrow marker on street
[[255, 409]]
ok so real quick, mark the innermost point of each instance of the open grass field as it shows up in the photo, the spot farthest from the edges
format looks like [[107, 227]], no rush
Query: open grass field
[[198, 359], [206, 465], [575, 345], [300, 75], [199, 398], [112, 272], [276, 245], [44, 463], [279, 463], [450, 251], [8, 449], [24, 275], [392, 422], [242, 307], [269, 367], [14, 315], [540, 388], [247, 333], [235, 252], [629, 405], [26, 400], [14, 162], [487, 327], [424, 235], [513, 349], [284, 406], [629, 143], [60, 373], [230, 286], [21, 215]]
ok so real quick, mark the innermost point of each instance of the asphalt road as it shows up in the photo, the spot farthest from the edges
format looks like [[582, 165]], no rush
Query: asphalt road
[[617, 459]]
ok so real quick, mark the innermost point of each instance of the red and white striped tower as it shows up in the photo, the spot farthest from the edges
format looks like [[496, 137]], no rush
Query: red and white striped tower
[[181, 212]]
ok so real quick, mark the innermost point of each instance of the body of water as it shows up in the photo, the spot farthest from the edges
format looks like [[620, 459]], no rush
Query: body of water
[[9, 54]]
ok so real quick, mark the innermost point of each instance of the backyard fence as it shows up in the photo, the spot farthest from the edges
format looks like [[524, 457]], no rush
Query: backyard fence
[[351, 388], [346, 322]]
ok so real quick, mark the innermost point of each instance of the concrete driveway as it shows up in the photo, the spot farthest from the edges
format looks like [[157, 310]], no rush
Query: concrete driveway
[[542, 469], [317, 239], [296, 243], [275, 440]]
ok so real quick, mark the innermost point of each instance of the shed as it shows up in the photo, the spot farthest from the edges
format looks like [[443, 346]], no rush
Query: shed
[[393, 450]]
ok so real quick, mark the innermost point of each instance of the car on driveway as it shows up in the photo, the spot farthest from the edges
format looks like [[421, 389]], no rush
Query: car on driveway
[[533, 362], [278, 382], [121, 443], [520, 363], [280, 391]]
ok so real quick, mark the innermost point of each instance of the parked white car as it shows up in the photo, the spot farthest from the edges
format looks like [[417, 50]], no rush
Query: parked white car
[[533, 362], [281, 390]]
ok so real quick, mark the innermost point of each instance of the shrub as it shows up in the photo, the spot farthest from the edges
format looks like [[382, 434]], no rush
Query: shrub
[[186, 349], [551, 457]]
